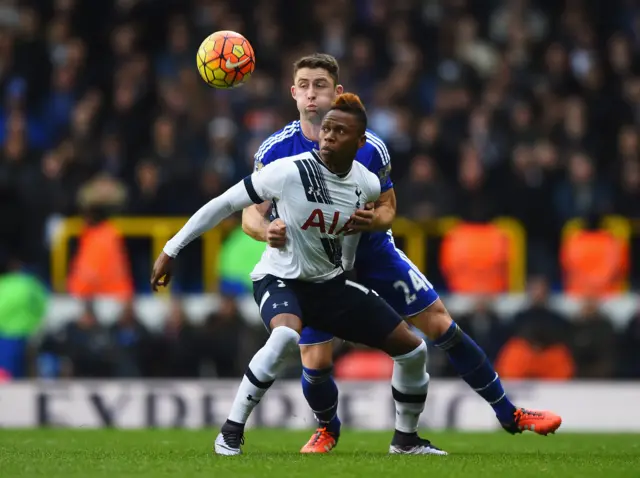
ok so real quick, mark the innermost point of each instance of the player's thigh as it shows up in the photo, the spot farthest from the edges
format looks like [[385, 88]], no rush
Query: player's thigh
[[401, 284], [363, 317], [278, 303], [401, 341]]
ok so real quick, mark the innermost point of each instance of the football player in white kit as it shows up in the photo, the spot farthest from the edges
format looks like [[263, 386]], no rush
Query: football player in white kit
[[303, 283]]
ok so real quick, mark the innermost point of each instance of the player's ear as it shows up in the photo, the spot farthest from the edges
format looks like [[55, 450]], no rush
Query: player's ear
[[293, 92], [362, 141], [339, 89]]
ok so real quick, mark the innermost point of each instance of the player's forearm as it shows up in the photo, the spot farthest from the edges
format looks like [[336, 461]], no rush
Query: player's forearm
[[254, 224], [349, 248], [384, 216], [209, 216]]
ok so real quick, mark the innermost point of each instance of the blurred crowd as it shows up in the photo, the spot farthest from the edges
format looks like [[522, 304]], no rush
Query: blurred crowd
[[85, 347], [537, 342], [521, 108]]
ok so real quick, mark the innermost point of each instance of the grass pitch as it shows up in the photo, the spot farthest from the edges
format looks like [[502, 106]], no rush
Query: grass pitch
[[274, 453]]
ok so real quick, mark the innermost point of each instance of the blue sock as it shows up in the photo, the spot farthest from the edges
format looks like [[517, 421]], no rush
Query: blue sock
[[474, 367], [321, 393]]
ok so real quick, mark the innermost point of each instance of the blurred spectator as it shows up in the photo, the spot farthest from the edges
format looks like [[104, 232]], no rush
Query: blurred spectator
[[23, 302], [101, 265], [14, 226], [583, 192], [594, 261], [529, 191], [239, 255], [593, 342], [628, 194], [474, 201], [539, 347], [151, 196], [87, 347], [474, 258], [133, 345], [227, 341], [484, 326], [629, 348], [179, 352], [425, 194], [474, 50]]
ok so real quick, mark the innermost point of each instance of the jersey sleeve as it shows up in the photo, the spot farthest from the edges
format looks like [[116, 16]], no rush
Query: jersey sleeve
[[374, 188], [268, 182], [211, 214], [380, 164]]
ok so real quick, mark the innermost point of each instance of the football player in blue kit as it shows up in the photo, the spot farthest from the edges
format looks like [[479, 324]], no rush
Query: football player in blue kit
[[380, 266]]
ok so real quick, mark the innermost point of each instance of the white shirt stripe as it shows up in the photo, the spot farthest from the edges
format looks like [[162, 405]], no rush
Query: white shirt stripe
[[270, 142], [380, 147]]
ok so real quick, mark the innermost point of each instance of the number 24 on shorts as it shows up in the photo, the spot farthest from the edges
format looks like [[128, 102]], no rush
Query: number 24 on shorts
[[418, 281]]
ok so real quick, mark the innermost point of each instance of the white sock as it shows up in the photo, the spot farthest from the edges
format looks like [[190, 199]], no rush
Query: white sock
[[410, 384], [262, 372]]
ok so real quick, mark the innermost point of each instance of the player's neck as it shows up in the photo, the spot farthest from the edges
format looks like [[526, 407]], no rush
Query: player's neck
[[339, 168], [309, 130]]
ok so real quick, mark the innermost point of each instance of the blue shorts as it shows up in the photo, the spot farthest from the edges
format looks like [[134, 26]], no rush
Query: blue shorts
[[397, 280], [338, 307]]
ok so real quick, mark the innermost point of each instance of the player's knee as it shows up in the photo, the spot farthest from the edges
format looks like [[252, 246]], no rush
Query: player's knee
[[290, 321], [413, 365], [284, 339], [415, 356], [318, 356], [401, 341], [433, 321]]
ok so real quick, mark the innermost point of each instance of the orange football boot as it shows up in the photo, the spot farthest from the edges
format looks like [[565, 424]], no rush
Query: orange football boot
[[540, 422], [321, 441]]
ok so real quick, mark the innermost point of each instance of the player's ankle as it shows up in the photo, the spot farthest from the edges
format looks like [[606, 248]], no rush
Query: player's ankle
[[231, 425], [504, 410], [333, 426], [402, 438]]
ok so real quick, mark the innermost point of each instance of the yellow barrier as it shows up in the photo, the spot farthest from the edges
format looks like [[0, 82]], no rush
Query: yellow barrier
[[160, 230]]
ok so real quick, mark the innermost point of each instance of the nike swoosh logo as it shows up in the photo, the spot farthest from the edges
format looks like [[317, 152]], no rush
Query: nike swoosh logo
[[231, 65]]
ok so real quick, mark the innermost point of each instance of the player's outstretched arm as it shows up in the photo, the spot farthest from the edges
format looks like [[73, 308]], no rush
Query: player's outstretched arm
[[208, 216], [255, 189]]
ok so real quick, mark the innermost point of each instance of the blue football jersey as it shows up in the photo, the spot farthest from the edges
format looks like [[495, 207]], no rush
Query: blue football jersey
[[374, 155]]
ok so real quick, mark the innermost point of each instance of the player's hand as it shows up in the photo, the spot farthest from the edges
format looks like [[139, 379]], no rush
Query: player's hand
[[362, 220], [277, 234], [161, 274]]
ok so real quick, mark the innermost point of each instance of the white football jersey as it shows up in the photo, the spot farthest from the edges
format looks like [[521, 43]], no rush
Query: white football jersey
[[315, 204]]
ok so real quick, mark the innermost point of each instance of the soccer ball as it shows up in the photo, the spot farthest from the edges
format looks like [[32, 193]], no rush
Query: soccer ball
[[225, 59]]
